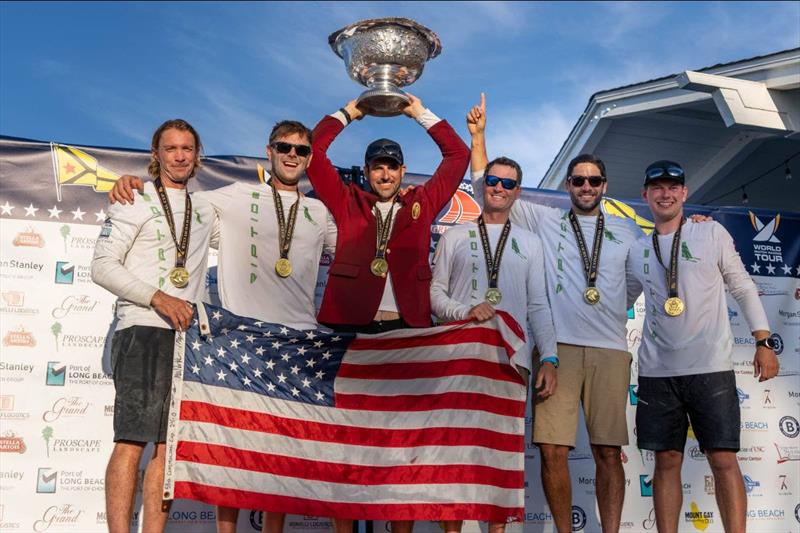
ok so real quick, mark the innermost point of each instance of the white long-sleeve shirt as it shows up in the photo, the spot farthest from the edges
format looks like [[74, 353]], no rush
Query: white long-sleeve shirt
[[135, 253], [699, 340], [248, 250], [604, 324], [460, 282]]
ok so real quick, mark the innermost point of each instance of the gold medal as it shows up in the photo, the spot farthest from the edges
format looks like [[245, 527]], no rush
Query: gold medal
[[415, 210], [493, 296], [673, 306], [379, 266], [591, 295], [179, 277], [283, 267]]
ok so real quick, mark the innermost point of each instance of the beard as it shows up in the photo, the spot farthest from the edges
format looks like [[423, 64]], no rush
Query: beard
[[583, 206]]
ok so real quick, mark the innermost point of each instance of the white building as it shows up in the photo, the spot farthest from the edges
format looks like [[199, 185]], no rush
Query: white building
[[734, 127]]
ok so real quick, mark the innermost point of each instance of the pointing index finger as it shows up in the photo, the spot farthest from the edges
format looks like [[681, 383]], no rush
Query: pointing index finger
[[483, 101]]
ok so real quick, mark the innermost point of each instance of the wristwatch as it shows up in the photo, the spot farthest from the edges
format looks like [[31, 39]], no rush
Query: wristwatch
[[768, 342]]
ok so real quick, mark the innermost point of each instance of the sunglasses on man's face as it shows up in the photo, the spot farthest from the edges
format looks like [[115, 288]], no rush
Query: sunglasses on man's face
[[508, 183], [664, 172], [302, 150], [578, 181]]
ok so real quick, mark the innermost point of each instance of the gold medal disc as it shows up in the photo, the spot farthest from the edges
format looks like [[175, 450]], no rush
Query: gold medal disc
[[673, 306], [379, 266], [179, 277], [283, 267], [493, 296], [591, 295]]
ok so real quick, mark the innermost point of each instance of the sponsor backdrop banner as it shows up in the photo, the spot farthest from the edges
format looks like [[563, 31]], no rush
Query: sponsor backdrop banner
[[57, 395]]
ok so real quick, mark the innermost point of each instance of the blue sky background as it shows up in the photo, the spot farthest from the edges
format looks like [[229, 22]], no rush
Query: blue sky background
[[108, 73]]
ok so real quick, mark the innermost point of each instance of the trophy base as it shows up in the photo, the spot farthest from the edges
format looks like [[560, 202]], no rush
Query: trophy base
[[382, 102]]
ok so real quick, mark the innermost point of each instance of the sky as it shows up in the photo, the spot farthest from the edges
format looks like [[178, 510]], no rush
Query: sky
[[108, 73]]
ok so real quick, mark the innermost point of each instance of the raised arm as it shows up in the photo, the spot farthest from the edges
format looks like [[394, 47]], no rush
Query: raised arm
[[327, 184], [523, 212], [476, 124], [455, 154]]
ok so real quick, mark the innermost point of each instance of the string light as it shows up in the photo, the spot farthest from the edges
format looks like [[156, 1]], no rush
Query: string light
[[787, 172]]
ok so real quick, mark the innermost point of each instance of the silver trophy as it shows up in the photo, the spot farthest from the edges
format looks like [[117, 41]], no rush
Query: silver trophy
[[385, 54]]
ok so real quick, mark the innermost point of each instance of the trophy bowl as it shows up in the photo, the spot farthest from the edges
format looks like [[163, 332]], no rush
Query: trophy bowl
[[384, 54]]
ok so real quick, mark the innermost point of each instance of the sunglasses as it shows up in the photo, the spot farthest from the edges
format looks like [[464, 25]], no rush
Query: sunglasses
[[594, 181], [302, 150], [508, 183], [664, 172]]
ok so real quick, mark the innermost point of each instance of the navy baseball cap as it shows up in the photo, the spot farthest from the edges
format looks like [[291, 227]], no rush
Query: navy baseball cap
[[664, 170], [383, 149]]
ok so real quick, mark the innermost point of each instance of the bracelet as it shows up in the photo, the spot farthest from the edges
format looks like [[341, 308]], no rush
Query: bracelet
[[346, 115], [553, 360]]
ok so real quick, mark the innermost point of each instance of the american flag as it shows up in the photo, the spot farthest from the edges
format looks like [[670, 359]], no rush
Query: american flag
[[424, 424]]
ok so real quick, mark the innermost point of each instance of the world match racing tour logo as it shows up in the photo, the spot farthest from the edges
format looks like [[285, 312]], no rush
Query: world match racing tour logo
[[767, 250]]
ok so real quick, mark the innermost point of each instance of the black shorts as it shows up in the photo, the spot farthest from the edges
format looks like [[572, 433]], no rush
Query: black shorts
[[667, 405], [141, 361]]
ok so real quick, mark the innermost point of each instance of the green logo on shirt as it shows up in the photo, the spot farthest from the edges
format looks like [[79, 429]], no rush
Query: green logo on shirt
[[515, 248], [687, 254], [308, 215], [610, 236]]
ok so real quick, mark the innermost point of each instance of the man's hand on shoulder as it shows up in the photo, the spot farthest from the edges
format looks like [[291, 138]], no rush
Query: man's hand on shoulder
[[178, 312], [123, 189], [700, 218]]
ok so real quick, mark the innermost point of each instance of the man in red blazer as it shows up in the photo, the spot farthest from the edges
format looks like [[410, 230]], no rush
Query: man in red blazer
[[376, 285], [380, 278]]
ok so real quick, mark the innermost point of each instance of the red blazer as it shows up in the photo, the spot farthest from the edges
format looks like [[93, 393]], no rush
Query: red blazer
[[353, 293]]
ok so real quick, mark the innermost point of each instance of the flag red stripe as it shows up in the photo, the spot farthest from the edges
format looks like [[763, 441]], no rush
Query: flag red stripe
[[357, 436], [433, 369], [474, 334], [428, 402], [512, 324], [318, 470], [374, 511]]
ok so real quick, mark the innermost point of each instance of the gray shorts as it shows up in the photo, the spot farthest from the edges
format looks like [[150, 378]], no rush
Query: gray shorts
[[141, 359]]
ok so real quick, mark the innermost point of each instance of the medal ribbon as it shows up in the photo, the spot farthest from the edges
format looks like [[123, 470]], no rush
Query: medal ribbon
[[493, 263], [384, 229], [182, 246], [672, 271], [285, 230], [590, 266]]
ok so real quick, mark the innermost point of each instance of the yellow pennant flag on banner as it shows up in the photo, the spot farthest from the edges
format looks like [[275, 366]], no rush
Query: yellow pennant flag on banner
[[74, 167]]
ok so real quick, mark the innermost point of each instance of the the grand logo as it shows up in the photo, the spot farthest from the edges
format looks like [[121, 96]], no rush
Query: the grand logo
[[75, 304]]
